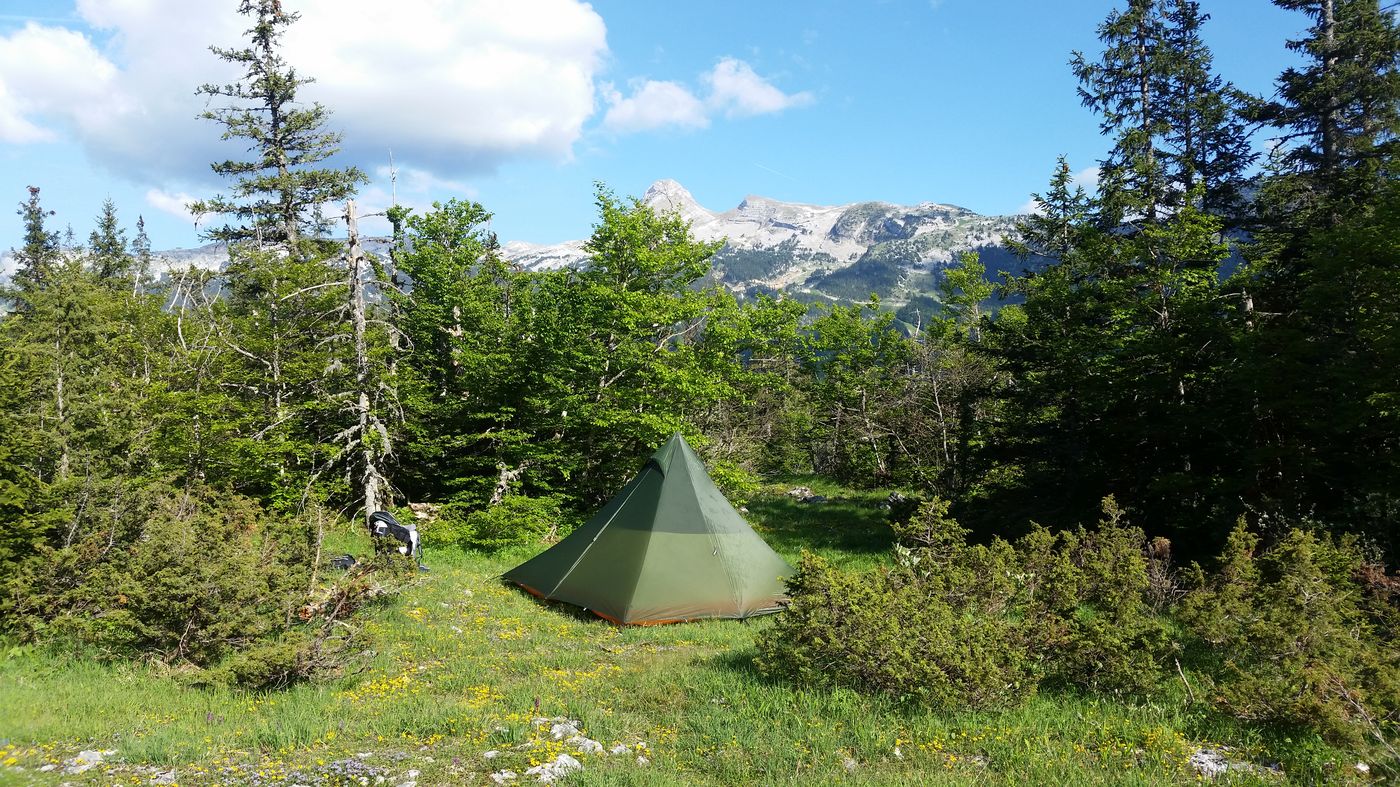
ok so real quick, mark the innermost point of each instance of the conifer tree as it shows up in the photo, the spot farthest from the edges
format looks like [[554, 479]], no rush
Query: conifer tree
[[40, 254], [283, 280], [140, 257], [1204, 140], [1118, 349], [1060, 217], [107, 245], [1339, 112], [1121, 88], [1319, 365], [277, 194]]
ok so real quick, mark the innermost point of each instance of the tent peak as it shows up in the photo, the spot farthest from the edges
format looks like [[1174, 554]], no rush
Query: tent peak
[[668, 450]]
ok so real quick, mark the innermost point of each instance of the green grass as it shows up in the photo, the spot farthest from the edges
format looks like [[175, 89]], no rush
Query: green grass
[[461, 663]]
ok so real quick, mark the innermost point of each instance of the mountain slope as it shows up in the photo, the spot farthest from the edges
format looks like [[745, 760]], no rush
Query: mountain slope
[[840, 252], [817, 252]]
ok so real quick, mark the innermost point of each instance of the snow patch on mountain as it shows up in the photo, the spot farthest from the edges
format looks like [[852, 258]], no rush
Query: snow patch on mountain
[[771, 244], [829, 251]]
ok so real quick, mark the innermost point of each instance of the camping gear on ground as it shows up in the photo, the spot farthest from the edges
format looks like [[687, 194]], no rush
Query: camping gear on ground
[[382, 524], [668, 548], [343, 563]]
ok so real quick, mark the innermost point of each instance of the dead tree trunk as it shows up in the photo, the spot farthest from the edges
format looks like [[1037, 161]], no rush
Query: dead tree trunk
[[371, 434]]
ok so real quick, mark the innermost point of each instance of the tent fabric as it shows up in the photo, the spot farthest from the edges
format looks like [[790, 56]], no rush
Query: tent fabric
[[667, 548]]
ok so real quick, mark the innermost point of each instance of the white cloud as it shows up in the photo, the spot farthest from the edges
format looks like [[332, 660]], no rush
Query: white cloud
[[46, 70], [174, 204], [734, 89], [451, 86], [654, 105], [1087, 178], [412, 180]]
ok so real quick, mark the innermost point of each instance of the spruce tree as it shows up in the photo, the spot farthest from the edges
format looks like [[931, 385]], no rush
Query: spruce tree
[[1318, 367], [1121, 88], [1205, 142], [278, 193], [1059, 219], [36, 259], [140, 257], [1338, 113], [107, 246], [1117, 350]]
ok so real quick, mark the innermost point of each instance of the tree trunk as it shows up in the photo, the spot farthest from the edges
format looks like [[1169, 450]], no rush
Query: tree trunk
[[1329, 117], [60, 414], [369, 434], [1145, 103]]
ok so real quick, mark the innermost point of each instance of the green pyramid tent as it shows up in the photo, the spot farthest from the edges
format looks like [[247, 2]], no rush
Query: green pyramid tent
[[668, 548]]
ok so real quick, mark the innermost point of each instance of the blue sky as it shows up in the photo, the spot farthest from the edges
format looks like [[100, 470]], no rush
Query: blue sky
[[523, 104]]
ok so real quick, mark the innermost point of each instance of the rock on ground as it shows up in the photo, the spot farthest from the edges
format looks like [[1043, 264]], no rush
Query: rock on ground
[[86, 760], [1214, 763], [556, 770]]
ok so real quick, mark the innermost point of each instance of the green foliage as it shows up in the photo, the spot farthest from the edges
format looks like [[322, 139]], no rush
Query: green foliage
[[854, 360], [1301, 636], [870, 275], [266, 664], [35, 260], [1325, 376], [875, 632], [554, 383], [1061, 217], [1337, 115], [183, 576], [737, 483], [517, 520], [23, 533], [978, 624], [1298, 639], [965, 288], [1097, 628], [277, 195], [1113, 380], [108, 247]]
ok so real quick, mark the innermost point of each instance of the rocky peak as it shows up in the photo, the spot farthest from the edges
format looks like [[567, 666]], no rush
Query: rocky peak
[[668, 195]]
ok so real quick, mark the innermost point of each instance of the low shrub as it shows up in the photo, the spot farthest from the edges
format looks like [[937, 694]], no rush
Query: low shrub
[[179, 575], [978, 625], [1099, 630], [196, 578], [517, 519], [875, 632], [1300, 634]]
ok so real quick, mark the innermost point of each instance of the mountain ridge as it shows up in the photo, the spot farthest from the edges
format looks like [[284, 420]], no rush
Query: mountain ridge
[[817, 252], [832, 252]]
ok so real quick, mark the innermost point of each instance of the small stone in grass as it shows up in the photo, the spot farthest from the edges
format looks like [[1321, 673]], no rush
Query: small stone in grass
[[563, 730], [560, 767], [585, 745]]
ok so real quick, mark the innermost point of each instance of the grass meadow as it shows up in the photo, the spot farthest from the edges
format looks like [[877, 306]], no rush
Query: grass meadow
[[463, 665]]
